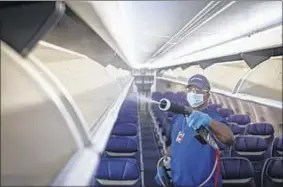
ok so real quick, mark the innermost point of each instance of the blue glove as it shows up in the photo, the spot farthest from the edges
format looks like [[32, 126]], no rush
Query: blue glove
[[161, 173], [197, 119]]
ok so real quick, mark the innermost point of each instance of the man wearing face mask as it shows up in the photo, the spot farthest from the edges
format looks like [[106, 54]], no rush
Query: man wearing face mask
[[192, 162]]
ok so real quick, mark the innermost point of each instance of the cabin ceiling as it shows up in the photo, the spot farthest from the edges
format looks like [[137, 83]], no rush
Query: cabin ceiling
[[163, 33]]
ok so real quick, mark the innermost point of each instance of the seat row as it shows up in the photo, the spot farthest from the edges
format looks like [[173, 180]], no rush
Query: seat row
[[255, 149], [240, 172], [119, 164]]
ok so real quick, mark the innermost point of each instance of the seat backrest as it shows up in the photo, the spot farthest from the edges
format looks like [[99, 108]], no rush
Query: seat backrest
[[117, 171], [253, 148], [169, 95], [235, 129], [240, 119], [277, 147], [213, 107], [156, 95], [264, 130], [225, 112], [237, 172], [272, 172], [121, 146], [225, 151]]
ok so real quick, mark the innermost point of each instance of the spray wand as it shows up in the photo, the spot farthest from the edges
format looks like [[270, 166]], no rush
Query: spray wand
[[202, 134]]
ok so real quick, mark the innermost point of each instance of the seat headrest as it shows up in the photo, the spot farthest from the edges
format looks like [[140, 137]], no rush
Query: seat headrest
[[240, 119], [235, 128], [118, 169], [278, 143], [225, 112], [121, 144], [250, 144], [214, 107], [260, 129]]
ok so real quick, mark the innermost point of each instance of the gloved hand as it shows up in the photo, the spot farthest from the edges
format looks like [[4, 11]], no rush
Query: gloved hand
[[197, 119], [161, 173]]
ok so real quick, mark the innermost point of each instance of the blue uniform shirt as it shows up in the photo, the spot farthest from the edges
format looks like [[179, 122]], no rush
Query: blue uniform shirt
[[191, 162]]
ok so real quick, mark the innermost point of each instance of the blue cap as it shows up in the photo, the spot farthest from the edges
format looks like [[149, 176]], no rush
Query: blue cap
[[200, 81]]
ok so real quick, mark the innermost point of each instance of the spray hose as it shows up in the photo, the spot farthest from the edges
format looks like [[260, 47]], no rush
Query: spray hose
[[157, 168], [202, 135], [215, 169]]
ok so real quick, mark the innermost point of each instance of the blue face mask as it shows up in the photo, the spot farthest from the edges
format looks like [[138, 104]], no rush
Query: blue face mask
[[194, 99]]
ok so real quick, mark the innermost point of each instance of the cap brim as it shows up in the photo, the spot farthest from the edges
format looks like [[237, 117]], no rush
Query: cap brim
[[197, 85]]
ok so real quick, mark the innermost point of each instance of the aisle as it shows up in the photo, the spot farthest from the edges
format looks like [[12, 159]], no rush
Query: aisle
[[149, 148]]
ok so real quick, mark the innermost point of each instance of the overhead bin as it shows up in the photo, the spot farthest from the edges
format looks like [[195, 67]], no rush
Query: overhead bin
[[226, 75], [190, 71], [91, 86], [265, 80], [38, 136], [121, 75]]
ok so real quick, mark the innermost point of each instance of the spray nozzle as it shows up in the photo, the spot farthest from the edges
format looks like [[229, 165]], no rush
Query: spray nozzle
[[166, 105]]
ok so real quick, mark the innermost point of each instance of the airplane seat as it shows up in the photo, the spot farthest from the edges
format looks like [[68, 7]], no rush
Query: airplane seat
[[277, 147], [169, 95], [117, 172], [156, 94], [129, 110], [253, 148], [224, 112], [127, 118], [237, 172], [214, 107], [164, 124], [162, 128], [272, 172], [264, 130], [121, 146], [235, 129], [130, 116], [124, 129], [225, 151], [181, 94], [240, 119]]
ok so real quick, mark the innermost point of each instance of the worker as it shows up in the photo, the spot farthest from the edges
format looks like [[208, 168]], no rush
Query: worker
[[191, 161]]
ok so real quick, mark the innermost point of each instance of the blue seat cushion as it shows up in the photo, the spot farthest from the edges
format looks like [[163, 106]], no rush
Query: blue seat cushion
[[253, 148], [117, 169], [240, 119], [277, 148], [225, 112], [250, 144], [124, 130], [122, 144], [272, 173], [237, 171], [235, 128], [260, 129], [213, 107]]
